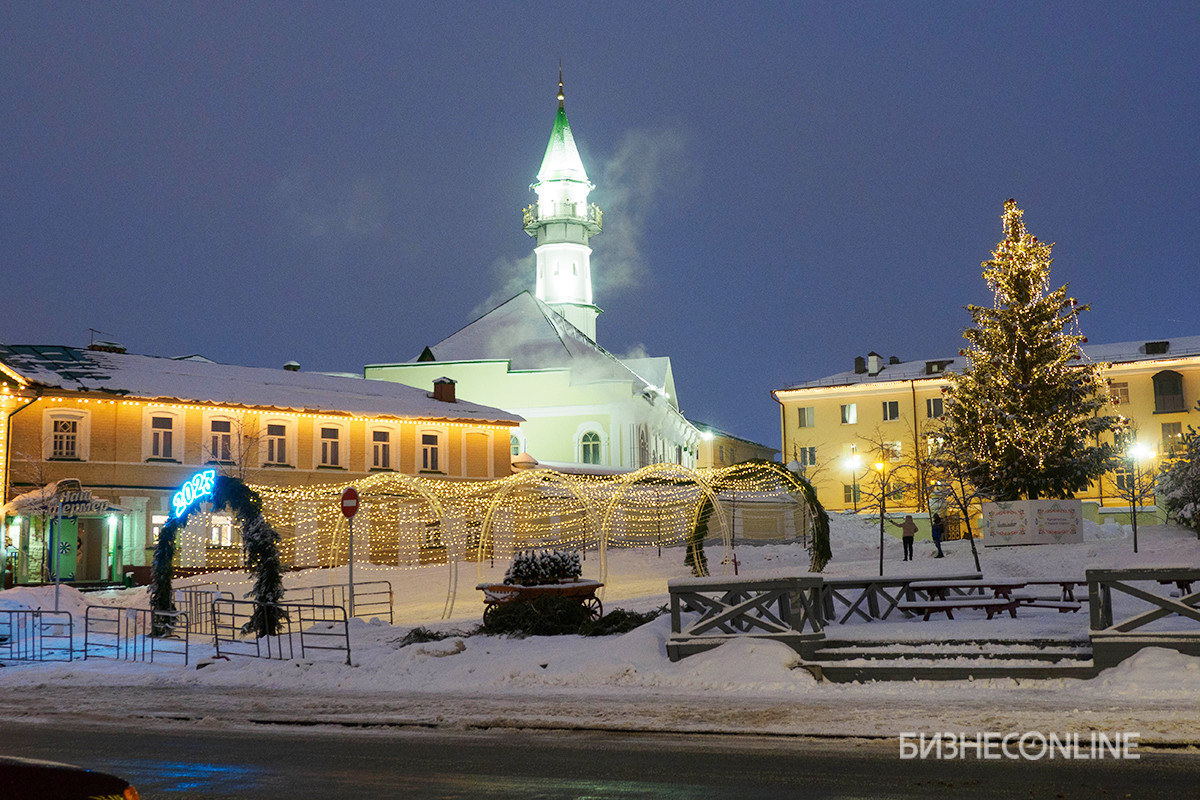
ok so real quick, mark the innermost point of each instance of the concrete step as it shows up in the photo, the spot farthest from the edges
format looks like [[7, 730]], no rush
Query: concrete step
[[1051, 655], [908, 670]]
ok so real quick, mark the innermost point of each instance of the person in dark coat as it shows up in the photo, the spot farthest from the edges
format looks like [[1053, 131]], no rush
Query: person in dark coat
[[937, 528]]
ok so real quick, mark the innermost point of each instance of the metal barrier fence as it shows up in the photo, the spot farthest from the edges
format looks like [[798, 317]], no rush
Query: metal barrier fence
[[197, 603], [371, 599], [123, 634], [36, 635], [305, 630]]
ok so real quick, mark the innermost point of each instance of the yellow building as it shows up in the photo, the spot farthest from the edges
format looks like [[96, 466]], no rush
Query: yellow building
[[837, 427], [132, 429], [720, 448]]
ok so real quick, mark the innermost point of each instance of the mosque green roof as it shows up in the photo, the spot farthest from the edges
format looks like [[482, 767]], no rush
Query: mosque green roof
[[562, 161]]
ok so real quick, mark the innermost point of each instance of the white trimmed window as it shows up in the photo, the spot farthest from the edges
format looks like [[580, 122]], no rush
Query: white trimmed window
[[589, 447], [805, 417], [934, 407], [429, 453], [275, 442], [220, 440], [220, 531], [850, 414], [162, 435], [808, 457], [330, 447], [891, 410], [381, 448], [66, 434], [157, 521]]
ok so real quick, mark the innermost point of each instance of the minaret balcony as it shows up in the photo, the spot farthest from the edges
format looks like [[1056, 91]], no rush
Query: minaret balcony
[[591, 217]]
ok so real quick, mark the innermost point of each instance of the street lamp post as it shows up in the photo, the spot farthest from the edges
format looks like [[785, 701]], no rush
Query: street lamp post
[[879, 466], [853, 463], [1137, 453]]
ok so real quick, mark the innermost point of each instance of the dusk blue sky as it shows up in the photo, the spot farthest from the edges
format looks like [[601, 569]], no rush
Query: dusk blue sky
[[785, 185]]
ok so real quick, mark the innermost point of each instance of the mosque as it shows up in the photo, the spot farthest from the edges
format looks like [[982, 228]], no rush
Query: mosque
[[537, 356]]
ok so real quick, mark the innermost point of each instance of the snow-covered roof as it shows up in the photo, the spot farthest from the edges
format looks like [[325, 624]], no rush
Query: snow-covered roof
[[1116, 353], [203, 381], [714, 430], [530, 335]]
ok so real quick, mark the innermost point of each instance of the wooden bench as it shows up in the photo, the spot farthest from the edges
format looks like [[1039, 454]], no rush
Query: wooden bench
[[1030, 601], [1066, 584], [992, 605]]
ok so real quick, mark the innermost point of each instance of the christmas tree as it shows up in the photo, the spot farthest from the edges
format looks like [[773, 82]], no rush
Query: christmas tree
[[1025, 415]]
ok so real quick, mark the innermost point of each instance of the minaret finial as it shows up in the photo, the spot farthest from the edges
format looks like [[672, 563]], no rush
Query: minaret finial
[[561, 96]]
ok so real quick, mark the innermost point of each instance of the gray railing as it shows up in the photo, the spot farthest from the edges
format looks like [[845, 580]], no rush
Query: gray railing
[[306, 630], [782, 608], [371, 599], [1157, 619], [36, 635], [872, 598], [123, 634], [196, 602]]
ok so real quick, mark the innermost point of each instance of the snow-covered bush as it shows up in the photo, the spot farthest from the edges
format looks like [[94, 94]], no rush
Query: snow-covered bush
[[535, 567], [1179, 483]]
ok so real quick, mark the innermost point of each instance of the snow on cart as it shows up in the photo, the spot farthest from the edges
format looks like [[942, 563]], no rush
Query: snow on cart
[[539, 573]]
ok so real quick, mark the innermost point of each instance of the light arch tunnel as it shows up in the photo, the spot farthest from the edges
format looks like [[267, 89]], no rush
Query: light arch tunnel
[[405, 521]]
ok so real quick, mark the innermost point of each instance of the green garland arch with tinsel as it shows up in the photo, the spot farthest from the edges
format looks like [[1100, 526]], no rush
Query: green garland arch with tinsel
[[259, 541]]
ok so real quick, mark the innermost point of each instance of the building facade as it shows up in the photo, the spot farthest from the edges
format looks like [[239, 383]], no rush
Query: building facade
[[836, 428], [537, 355], [132, 429], [720, 448]]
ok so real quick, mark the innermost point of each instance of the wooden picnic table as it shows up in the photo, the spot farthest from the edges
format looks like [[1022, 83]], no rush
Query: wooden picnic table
[[948, 595], [1067, 585], [992, 605], [1184, 585], [947, 590]]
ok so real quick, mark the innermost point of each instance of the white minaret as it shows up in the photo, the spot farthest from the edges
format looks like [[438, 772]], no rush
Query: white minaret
[[563, 222]]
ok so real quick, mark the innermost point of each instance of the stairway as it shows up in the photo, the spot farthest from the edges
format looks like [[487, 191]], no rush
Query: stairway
[[846, 661]]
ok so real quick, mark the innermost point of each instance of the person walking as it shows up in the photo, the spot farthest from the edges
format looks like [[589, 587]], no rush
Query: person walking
[[937, 528], [908, 530]]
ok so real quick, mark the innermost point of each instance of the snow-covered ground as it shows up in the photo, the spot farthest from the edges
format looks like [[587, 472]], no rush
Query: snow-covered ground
[[627, 682]]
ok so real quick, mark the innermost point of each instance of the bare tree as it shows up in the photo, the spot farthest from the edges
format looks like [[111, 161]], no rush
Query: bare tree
[[888, 477], [946, 468]]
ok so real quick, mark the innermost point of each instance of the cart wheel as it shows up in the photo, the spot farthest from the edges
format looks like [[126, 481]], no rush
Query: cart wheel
[[593, 607], [489, 613]]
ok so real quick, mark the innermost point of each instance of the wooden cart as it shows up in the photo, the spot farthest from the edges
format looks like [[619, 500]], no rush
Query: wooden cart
[[582, 591]]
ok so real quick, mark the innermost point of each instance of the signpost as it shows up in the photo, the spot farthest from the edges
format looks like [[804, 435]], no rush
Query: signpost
[[350, 508]]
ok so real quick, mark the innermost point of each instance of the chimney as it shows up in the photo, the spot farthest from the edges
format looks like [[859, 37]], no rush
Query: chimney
[[292, 366], [860, 365], [874, 363], [443, 389], [893, 360]]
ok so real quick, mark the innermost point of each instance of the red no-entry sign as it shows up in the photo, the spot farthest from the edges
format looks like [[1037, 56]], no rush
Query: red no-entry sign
[[350, 502]]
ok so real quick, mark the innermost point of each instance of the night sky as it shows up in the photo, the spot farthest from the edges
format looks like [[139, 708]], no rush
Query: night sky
[[785, 185]]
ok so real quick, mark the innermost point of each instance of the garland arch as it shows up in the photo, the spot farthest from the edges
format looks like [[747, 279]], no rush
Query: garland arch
[[259, 543]]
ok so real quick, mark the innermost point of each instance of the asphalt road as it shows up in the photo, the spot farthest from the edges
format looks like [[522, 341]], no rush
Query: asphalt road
[[187, 760]]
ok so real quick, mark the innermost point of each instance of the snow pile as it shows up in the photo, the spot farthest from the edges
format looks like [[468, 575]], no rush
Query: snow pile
[[633, 668]]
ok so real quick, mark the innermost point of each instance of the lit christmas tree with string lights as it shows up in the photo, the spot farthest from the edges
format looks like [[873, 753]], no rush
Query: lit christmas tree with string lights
[[1025, 417]]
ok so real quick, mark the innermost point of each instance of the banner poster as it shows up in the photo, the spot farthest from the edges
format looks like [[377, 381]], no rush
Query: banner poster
[[1032, 522]]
